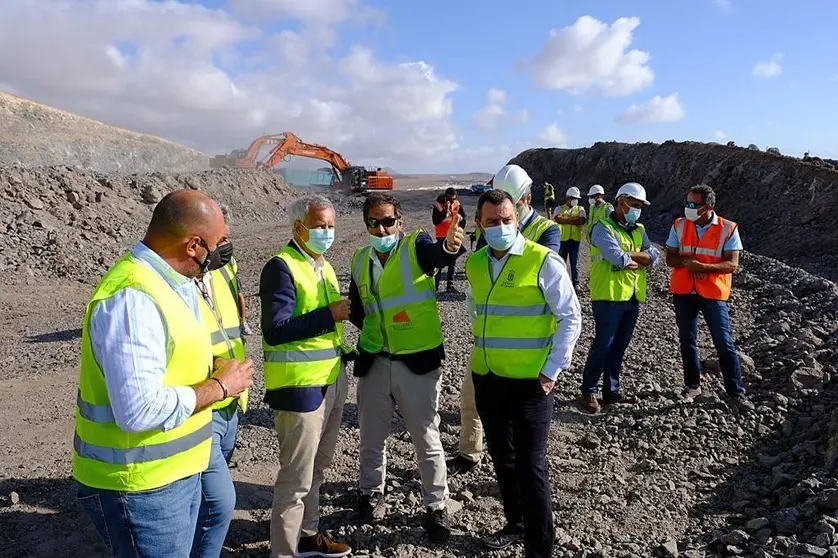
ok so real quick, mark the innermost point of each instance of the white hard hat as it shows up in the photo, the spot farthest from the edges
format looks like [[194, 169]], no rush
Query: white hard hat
[[633, 190], [513, 180], [596, 189], [573, 192]]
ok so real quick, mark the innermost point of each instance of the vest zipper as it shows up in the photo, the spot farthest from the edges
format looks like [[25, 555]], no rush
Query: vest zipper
[[378, 298], [220, 322]]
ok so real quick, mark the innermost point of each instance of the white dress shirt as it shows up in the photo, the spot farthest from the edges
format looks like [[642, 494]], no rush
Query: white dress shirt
[[128, 336], [560, 296]]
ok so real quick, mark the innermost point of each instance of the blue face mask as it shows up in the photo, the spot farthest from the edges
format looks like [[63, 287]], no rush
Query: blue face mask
[[501, 237], [384, 244], [320, 240], [632, 215]]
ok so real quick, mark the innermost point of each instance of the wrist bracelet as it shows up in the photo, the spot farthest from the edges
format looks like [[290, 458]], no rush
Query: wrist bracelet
[[223, 387]]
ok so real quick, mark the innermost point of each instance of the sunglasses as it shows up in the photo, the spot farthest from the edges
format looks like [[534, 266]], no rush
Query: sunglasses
[[694, 205], [386, 222]]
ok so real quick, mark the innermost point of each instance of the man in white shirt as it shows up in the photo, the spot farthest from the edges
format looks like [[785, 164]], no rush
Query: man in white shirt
[[526, 321]]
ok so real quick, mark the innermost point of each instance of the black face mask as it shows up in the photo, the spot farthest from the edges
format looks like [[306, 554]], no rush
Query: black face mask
[[222, 256], [204, 266]]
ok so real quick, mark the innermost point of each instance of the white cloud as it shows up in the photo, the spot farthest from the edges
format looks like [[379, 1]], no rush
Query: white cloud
[[769, 68], [720, 134], [209, 79], [726, 6], [487, 117], [560, 112], [553, 136], [497, 96], [522, 116], [657, 110], [578, 109], [591, 56]]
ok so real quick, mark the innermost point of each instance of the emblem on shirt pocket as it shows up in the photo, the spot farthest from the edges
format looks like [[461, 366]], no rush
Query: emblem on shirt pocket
[[510, 279]]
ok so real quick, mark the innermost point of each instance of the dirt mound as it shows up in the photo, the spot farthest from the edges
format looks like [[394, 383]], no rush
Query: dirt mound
[[71, 224], [783, 204], [37, 135]]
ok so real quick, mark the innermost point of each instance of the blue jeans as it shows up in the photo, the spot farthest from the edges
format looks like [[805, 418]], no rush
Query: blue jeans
[[687, 308], [218, 498], [152, 523], [615, 323], [569, 251]]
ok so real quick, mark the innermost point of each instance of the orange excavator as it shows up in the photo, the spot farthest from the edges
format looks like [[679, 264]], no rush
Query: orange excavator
[[352, 177]]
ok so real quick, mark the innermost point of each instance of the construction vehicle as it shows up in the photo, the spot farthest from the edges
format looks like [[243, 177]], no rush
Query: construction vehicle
[[345, 175]]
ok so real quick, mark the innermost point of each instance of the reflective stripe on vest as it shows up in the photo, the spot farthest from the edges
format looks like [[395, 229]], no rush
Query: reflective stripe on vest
[[618, 285], [514, 327], [571, 232], [223, 322], [709, 249], [309, 362], [104, 455], [401, 312]]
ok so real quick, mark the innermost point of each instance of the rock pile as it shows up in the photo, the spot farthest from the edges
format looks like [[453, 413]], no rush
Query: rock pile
[[69, 223], [33, 134], [783, 204]]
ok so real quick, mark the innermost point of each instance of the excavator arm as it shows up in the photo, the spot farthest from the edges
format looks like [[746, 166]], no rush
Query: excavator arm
[[292, 145], [248, 160]]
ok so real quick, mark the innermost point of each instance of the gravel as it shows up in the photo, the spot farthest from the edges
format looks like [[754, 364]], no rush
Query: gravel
[[660, 477]]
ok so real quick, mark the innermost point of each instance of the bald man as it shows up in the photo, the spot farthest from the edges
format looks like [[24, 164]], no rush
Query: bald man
[[147, 385]]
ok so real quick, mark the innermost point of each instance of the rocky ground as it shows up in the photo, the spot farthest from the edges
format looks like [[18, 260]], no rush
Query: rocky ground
[[34, 134], [662, 476]]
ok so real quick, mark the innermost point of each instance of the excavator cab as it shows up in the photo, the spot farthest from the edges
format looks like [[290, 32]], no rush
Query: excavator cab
[[355, 179]]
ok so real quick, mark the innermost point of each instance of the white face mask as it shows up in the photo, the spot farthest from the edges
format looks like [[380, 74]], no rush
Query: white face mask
[[574, 202], [691, 214], [522, 211]]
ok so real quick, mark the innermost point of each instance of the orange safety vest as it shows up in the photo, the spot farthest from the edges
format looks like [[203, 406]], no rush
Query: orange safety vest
[[441, 230], [712, 286]]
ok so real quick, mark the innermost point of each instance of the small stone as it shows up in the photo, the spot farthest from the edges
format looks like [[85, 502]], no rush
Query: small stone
[[453, 506], [35, 203], [669, 549], [465, 496], [757, 524], [73, 197], [14, 498], [735, 538]]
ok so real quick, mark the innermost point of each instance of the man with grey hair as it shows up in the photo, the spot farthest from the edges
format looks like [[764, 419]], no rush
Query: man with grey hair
[[305, 381]]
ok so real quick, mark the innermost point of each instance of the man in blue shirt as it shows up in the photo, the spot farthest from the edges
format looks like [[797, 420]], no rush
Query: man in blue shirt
[[703, 250]]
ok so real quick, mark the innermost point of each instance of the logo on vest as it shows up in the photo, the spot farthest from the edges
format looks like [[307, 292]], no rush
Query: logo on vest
[[401, 321], [510, 279]]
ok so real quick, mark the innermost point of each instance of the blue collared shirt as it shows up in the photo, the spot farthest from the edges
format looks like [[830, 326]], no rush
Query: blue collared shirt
[[129, 340]]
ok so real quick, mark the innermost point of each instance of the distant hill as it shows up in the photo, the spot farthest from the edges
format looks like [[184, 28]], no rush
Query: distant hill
[[37, 135]]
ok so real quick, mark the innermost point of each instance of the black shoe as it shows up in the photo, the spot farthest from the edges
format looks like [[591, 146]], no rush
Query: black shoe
[[510, 534], [615, 397], [438, 525], [459, 464], [372, 507]]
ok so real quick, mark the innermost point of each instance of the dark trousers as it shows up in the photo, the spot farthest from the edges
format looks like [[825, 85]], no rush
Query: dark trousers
[[615, 323], [516, 419], [569, 251], [687, 308], [450, 269]]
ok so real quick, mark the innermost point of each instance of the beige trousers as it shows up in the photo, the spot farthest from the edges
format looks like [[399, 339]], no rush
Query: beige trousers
[[471, 429], [306, 446], [387, 384]]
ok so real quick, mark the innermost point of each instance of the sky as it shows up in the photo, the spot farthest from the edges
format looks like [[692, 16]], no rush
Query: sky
[[436, 86]]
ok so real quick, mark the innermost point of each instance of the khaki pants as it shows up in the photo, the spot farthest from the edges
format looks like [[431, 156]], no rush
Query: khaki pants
[[306, 447], [471, 429], [387, 384]]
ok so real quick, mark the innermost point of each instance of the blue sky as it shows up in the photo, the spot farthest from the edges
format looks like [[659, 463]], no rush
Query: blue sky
[[407, 84]]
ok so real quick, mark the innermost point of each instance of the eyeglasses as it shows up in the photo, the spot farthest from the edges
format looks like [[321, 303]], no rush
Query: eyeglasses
[[386, 222]]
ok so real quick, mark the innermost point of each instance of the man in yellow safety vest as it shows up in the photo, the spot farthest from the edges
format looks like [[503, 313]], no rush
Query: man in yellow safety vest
[[393, 303], [148, 383], [526, 320], [571, 218], [305, 381]]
